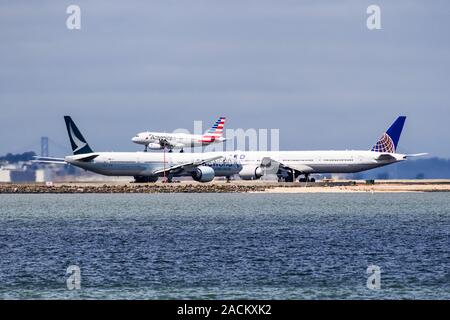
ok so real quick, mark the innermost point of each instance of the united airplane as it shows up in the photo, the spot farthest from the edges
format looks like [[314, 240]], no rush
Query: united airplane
[[161, 140], [290, 165]]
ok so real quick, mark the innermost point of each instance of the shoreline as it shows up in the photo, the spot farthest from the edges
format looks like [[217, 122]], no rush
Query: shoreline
[[392, 186]]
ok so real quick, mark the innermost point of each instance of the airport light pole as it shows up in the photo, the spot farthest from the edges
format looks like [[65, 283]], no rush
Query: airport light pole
[[164, 162]]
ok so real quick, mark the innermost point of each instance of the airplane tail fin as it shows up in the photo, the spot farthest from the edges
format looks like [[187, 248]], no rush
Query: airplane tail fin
[[217, 129], [79, 144], [389, 140], [215, 132]]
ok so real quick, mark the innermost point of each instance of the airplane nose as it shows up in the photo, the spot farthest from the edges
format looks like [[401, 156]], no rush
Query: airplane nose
[[134, 139]]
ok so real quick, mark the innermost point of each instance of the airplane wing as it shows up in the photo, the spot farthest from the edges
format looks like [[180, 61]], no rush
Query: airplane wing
[[298, 167], [271, 163], [49, 160], [186, 165]]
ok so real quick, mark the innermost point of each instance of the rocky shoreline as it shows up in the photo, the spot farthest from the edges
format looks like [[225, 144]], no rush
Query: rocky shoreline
[[222, 187], [130, 188]]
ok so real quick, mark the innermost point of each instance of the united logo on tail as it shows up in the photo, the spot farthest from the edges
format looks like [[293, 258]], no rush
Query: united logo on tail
[[389, 140], [385, 144]]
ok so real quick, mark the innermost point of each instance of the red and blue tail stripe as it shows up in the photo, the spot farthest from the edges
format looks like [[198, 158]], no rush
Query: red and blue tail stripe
[[215, 132]]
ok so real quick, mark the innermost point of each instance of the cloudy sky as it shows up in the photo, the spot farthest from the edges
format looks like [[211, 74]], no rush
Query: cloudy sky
[[309, 68]]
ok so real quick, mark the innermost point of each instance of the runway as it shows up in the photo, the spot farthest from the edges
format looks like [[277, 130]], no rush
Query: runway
[[341, 186]]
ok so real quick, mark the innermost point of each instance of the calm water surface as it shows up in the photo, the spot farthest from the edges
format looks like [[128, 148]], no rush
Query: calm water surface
[[225, 246]]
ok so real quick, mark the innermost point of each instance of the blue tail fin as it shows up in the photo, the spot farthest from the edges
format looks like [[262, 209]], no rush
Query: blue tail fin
[[389, 140]]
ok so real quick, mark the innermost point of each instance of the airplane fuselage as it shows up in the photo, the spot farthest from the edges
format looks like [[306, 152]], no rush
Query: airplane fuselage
[[348, 161], [145, 164], [174, 140], [304, 162]]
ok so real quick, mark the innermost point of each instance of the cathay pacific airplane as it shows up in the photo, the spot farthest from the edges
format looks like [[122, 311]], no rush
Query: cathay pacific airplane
[[144, 167], [203, 167], [160, 140]]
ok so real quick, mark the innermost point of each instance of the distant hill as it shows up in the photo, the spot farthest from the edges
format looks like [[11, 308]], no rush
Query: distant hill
[[14, 158], [432, 168]]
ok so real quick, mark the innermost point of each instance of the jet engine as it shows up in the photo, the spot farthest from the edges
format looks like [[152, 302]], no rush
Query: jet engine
[[154, 146], [203, 174], [251, 172]]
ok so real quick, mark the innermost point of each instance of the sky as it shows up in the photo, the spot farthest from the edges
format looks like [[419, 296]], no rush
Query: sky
[[311, 69]]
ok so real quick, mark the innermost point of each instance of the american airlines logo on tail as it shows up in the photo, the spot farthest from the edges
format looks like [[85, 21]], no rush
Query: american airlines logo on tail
[[216, 130]]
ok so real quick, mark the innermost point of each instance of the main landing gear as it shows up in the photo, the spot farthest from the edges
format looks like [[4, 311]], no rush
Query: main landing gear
[[291, 177], [169, 179], [181, 151], [306, 179]]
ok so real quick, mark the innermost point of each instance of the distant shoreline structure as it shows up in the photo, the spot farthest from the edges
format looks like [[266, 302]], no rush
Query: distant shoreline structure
[[388, 186]]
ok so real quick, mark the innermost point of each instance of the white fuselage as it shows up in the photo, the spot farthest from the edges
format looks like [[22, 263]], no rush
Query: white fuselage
[[174, 140], [146, 163], [304, 162], [348, 161]]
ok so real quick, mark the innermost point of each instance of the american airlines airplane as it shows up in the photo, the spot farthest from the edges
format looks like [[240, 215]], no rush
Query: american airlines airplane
[[203, 167], [160, 140]]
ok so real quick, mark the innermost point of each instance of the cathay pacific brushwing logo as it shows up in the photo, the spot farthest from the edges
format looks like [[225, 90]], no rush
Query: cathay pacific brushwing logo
[[78, 143]]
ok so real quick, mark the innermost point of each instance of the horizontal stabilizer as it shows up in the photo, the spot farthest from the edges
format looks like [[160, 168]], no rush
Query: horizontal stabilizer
[[49, 160], [385, 157], [87, 158], [415, 155]]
